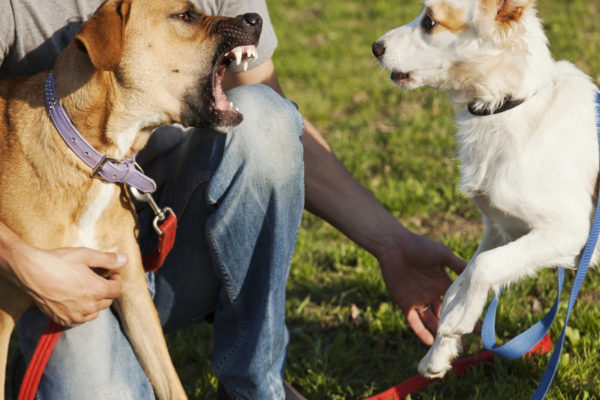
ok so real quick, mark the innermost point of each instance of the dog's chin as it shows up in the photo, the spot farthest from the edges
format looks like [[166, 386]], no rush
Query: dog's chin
[[404, 80], [224, 121], [206, 105], [221, 121]]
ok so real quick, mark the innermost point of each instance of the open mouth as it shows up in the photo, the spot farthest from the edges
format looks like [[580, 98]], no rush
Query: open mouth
[[239, 55], [401, 78]]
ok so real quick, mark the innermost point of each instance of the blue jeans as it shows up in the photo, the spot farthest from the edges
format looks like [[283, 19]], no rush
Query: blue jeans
[[239, 200]]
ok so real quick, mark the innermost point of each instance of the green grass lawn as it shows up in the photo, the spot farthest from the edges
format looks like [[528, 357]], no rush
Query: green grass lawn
[[401, 147]]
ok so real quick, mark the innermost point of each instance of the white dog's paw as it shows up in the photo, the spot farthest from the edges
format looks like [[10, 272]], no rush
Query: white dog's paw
[[438, 359], [460, 314], [430, 369]]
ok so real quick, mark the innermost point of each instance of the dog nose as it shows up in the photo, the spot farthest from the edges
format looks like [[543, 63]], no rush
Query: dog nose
[[252, 19], [378, 49]]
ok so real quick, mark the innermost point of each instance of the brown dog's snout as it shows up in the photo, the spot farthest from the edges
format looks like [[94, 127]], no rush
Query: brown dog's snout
[[378, 49], [252, 19], [243, 29]]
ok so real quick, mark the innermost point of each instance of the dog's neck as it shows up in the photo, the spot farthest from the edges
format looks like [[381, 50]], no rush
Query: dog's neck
[[100, 108], [523, 69]]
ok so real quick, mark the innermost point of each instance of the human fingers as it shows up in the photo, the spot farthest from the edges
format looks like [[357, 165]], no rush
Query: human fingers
[[104, 303], [111, 289], [109, 261], [100, 259], [69, 318], [114, 277], [477, 329], [89, 317], [429, 318], [416, 324], [437, 308], [454, 262]]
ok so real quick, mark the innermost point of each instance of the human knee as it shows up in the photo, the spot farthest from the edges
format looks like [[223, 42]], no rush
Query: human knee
[[106, 369], [270, 133]]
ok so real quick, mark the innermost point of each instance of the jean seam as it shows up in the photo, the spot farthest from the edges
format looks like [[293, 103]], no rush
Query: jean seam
[[229, 288]]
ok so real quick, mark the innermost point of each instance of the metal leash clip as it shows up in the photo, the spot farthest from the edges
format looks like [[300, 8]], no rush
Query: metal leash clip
[[160, 214]]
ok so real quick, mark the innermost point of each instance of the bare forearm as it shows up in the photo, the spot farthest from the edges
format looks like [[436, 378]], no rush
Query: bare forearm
[[333, 194]]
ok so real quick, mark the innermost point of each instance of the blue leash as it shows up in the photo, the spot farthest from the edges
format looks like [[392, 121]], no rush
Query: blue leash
[[524, 342]]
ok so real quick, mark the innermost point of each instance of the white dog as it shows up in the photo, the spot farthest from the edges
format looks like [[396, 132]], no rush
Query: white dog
[[527, 142]]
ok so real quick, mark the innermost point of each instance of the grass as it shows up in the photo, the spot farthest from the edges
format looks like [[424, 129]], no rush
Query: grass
[[401, 147]]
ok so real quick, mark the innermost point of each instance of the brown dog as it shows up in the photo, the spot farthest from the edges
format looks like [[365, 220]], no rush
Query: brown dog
[[135, 65]]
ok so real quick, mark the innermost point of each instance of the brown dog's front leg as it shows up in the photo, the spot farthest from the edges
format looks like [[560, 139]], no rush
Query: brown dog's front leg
[[142, 326], [14, 302]]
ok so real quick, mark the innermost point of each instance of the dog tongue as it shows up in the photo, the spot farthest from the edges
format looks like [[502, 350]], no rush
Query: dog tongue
[[239, 55], [221, 100]]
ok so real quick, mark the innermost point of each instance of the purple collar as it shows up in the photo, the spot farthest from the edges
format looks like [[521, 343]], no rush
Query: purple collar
[[111, 170]]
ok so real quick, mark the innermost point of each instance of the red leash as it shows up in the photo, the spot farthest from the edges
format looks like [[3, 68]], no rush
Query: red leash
[[152, 262], [38, 362], [459, 367]]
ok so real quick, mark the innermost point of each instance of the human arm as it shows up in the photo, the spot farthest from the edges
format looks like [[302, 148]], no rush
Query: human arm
[[61, 282], [412, 265]]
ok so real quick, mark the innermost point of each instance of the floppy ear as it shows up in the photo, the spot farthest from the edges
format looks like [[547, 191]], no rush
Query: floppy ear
[[510, 11], [102, 35], [500, 20]]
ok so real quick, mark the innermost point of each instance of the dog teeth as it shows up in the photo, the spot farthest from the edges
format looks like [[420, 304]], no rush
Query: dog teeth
[[242, 54], [252, 53], [238, 56]]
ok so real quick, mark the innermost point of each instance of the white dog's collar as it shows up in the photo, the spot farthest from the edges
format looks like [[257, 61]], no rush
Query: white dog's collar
[[507, 104]]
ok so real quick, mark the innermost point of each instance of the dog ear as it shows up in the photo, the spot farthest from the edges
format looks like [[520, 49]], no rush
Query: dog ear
[[510, 11], [102, 36]]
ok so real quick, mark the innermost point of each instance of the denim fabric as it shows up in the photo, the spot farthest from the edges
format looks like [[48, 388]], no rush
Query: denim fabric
[[239, 199]]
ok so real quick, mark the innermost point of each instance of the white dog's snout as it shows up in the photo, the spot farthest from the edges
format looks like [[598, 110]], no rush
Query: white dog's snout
[[378, 49]]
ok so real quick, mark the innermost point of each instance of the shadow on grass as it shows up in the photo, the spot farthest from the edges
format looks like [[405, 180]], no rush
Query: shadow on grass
[[337, 355]]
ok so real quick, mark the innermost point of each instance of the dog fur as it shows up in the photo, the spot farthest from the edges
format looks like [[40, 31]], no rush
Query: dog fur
[[532, 171], [135, 65]]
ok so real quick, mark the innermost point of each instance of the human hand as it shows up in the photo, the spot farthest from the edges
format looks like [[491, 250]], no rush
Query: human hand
[[414, 274], [66, 284]]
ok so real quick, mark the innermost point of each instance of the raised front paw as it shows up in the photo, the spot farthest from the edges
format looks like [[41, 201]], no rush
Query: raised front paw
[[460, 314], [438, 359]]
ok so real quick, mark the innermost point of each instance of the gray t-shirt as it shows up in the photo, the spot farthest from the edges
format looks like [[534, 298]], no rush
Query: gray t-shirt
[[34, 32]]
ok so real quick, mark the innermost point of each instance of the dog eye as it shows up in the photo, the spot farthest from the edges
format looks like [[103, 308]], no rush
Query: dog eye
[[187, 16], [428, 23]]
